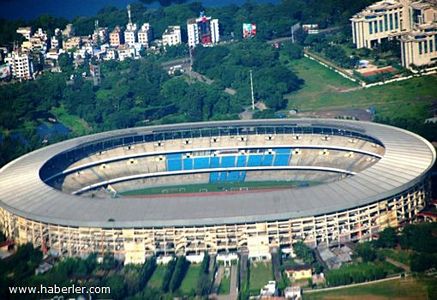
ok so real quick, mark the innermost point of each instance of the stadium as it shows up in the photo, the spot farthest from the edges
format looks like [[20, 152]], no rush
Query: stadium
[[220, 187]]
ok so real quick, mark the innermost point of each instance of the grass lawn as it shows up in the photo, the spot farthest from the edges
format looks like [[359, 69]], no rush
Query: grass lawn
[[76, 124], [157, 277], [325, 89], [225, 285], [190, 280], [400, 289], [216, 187], [260, 274]]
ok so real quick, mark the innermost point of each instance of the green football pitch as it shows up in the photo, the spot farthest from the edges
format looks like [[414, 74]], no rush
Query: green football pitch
[[217, 187]]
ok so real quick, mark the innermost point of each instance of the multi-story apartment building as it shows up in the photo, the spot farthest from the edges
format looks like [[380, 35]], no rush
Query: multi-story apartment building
[[72, 43], [100, 35], [145, 35], [115, 37], [25, 31], [172, 36], [203, 30], [414, 23], [55, 42], [68, 31], [130, 34], [21, 64]]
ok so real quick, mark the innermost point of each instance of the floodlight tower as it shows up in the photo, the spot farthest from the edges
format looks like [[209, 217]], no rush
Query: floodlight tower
[[251, 90], [129, 14]]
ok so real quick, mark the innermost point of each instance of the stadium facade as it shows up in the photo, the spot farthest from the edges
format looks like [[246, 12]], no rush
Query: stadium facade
[[347, 181]]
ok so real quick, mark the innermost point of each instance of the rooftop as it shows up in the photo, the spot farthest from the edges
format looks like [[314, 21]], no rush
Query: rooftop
[[406, 162]]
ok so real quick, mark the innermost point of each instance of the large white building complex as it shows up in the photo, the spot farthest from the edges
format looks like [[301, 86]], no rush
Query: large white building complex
[[203, 30], [413, 22], [343, 181]]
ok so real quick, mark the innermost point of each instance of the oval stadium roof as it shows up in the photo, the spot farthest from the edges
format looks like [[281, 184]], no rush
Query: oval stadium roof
[[406, 161]]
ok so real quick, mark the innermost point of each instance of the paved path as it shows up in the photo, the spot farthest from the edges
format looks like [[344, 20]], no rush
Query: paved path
[[234, 285], [175, 62], [233, 291], [309, 291], [218, 279], [398, 264]]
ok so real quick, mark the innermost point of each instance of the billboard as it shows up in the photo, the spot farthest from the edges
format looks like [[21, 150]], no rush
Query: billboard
[[204, 27], [5, 71], [249, 30]]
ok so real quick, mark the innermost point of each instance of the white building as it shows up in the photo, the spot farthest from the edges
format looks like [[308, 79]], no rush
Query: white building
[[172, 36], [414, 23], [54, 43], [25, 31], [193, 33], [293, 292], [110, 54], [21, 65], [269, 289], [100, 35], [68, 31], [125, 52], [145, 35], [130, 34], [203, 30]]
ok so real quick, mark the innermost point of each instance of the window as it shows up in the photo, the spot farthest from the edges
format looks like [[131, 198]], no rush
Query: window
[[431, 48], [435, 42], [391, 21], [381, 26], [375, 26], [425, 44], [385, 23], [370, 27], [396, 21], [420, 48]]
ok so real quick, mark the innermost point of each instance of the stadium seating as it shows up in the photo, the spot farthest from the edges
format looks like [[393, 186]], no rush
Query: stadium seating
[[225, 152]]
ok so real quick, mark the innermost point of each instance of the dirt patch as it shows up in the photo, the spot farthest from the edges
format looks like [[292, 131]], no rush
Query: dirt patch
[[388, 69]]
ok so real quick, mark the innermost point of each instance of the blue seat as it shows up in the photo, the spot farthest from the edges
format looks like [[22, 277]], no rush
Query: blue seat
[[188, 163], [174, 162], [254, 160], [228, 162], [201, 163]]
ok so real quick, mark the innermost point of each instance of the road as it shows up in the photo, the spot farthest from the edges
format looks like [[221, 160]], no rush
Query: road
[[288, 38]]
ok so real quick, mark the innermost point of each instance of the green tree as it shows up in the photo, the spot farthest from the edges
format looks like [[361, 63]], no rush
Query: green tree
[[117, 285], [366, 251], [180, 270], [304, 252], [387, 238]]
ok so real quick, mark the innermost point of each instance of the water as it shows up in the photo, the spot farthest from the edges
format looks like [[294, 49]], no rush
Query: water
[[30, 9]]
